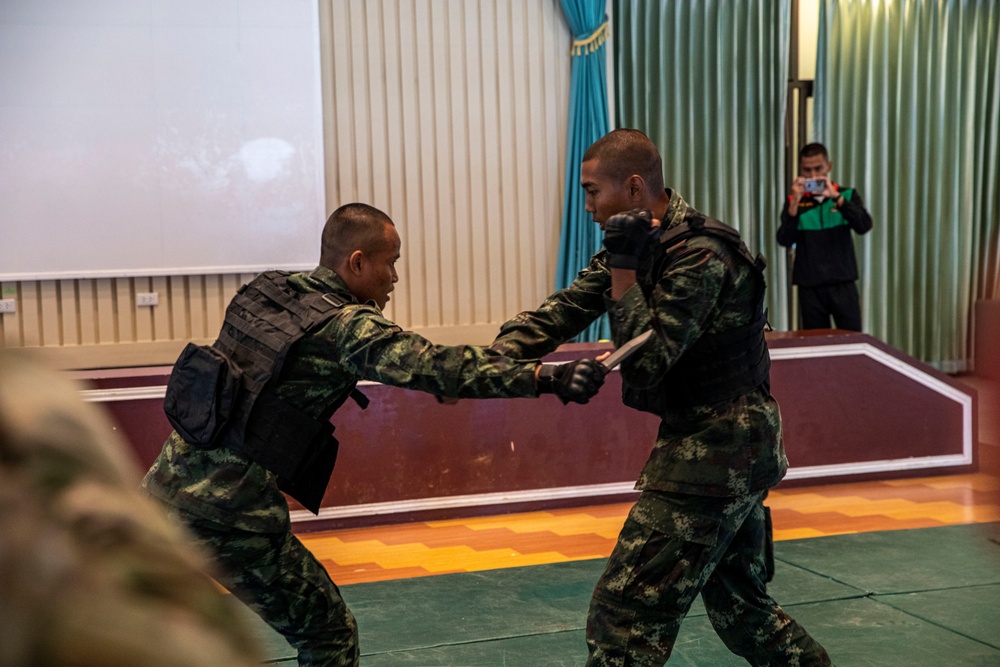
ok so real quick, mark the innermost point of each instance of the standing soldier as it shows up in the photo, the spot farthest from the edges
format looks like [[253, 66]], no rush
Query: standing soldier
[[699, 525]]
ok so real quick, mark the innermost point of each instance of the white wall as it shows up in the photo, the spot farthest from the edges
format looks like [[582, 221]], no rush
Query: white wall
[[449, 114], [157, 137]]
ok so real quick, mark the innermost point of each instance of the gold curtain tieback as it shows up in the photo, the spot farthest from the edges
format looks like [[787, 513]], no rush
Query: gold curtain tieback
[[592, 43]]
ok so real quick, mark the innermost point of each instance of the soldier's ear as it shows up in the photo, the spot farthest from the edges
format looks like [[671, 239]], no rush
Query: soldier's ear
[[356, 261], [636, 186]]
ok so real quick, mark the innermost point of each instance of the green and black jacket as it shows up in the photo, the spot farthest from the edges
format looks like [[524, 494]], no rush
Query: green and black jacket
[[821, 234]]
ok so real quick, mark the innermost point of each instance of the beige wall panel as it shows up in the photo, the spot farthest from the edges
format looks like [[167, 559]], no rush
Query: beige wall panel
[[197, 306], [451, 116], [107, 318], [69, 304], [477, 182], [50, 319], [10, 323], [127, 317], [179, 307], [27, 307], [144, 314], [413, 265], [161, 313], [86, 294]]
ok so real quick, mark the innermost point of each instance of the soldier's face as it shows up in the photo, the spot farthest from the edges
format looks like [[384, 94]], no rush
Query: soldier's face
[[605, 196], [377, 271]]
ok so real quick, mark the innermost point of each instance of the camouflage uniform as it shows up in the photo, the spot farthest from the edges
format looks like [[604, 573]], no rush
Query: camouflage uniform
[[698, 526], [233, 504], [91, 573]]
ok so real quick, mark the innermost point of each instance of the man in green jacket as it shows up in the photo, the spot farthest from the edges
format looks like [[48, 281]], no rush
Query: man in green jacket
[[231, 498], [817, 219], [699, 525]]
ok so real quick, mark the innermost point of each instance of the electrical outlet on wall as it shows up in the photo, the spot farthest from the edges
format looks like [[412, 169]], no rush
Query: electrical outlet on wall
[[147, 298]]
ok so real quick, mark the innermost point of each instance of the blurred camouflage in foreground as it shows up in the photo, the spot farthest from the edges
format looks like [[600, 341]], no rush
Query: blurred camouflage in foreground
[[91, 572]]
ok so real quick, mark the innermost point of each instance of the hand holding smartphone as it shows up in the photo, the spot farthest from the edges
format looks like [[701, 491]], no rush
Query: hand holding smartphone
[[814, 185]]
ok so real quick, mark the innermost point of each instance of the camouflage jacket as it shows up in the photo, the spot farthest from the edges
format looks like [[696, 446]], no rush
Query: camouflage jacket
[[358, 343], [725, 449]]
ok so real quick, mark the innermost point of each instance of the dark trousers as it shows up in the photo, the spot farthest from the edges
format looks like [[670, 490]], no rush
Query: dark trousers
[[818, 304], [674, 547], [277, 577]]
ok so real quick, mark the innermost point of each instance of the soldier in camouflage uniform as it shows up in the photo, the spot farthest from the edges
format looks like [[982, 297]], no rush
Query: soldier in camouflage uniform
[[234, 505], [91, 572], [699, 523]]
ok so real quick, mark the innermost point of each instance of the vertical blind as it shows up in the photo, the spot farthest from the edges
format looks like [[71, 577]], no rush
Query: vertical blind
[[450, 115]]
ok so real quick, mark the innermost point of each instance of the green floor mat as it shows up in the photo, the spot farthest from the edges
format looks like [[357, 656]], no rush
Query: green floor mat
[[856, 633], [973, 611], [929, 596], [902, 561], [561, 649], [473, 606]]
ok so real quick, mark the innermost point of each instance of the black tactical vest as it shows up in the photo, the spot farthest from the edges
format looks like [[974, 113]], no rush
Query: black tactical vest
[[223, 395], [717, 367]]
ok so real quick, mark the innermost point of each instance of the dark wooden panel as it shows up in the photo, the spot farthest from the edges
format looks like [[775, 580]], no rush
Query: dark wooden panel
[[852, 408], [988, 339], [407, 446]]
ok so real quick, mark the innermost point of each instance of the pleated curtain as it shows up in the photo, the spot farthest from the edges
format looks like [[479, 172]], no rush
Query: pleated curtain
[[706, 81], [908, 101], [580, 237]]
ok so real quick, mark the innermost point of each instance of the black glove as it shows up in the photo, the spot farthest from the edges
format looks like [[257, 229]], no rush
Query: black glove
[[573, 381], [626, 236]]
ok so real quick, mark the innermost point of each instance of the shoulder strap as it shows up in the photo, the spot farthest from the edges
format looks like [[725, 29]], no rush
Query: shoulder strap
[[712, 227], [310, 308], [703, 225]]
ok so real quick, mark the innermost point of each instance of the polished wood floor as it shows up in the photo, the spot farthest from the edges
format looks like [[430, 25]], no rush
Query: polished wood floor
[[465, 545]]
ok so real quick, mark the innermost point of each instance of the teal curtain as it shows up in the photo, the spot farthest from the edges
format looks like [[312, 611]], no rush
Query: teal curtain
[[908, 102], [580, 237], [706, 81]]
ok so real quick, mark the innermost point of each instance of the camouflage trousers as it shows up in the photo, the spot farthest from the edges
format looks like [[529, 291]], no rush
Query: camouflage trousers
[[673, 547], [278, 578]]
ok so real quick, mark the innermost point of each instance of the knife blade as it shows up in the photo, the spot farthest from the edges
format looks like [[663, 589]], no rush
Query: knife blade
[[626, 350]]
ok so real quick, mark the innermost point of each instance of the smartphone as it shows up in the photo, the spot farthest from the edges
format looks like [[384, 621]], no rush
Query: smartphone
[[815, 185]]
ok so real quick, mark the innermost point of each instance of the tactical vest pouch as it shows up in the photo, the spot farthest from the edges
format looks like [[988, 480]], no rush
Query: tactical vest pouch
[[651, 399], [297, 448], [202, 393], [309, 483]]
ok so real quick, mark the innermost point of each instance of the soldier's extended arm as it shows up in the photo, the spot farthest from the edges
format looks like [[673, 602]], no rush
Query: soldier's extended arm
[[374, 348], [564, 314]]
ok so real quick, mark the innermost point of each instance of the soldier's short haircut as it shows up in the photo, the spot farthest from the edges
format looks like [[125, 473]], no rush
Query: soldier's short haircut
[[352, 227], [623, 152], [812, 150]]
